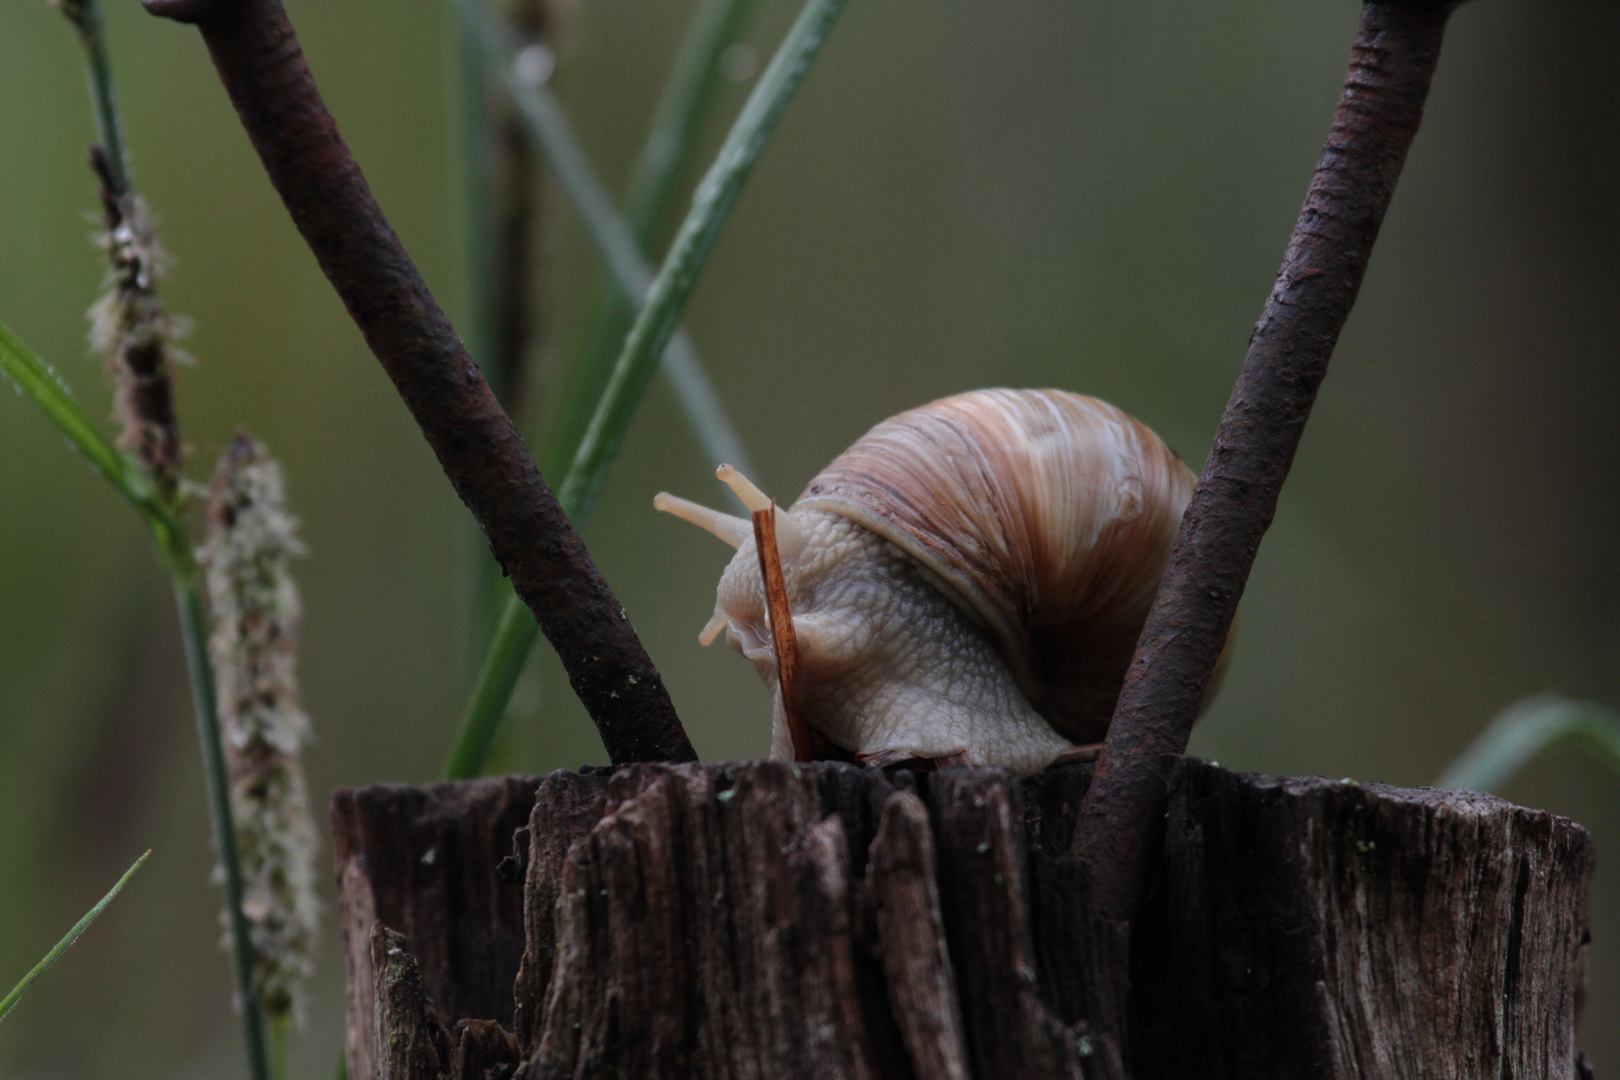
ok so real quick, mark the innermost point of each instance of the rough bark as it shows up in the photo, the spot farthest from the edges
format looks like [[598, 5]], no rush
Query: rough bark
[[1397, 47], [424, 862], [764, 919], [408, 1044]]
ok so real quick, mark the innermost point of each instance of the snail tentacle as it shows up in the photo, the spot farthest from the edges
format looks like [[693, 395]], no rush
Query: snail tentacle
[[733, 530], [711, 630]]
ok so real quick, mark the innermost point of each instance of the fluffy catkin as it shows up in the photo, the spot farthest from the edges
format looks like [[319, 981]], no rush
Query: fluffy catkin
[[131, 330], [250, 541]]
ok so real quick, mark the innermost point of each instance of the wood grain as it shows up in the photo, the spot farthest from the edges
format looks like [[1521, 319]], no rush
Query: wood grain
[[768, 919]]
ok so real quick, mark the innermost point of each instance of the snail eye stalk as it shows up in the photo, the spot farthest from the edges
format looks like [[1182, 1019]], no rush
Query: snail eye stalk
[[732, 530]]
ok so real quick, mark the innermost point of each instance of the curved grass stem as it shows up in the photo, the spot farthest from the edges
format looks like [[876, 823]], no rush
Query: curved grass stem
[[1526, 728], [125, 474], [160, 508]]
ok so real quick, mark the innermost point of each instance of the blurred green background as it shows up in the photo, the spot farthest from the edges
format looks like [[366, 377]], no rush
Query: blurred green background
[[1085, 195]]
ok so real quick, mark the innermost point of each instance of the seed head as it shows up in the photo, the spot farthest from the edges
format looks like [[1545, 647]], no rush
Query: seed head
[[250, 541]]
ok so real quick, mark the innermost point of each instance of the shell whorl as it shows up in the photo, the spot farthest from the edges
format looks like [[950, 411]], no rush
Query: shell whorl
[[1045, 514]]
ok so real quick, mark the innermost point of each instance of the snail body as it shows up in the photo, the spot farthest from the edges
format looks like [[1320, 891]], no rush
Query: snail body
[[967, 581]]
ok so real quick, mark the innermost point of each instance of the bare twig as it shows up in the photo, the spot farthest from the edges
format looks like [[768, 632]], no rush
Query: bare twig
[[784, 642], [1393, 60], [262, 66]]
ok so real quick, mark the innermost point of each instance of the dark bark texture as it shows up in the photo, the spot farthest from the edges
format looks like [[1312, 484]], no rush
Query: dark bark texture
[[775, 920], [424, 862], [262, 66], [1393, 59]]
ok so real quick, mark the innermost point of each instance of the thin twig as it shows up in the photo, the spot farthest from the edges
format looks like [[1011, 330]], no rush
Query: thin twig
[[1121, 821], [503, 201], [262, 66], [784, 641]]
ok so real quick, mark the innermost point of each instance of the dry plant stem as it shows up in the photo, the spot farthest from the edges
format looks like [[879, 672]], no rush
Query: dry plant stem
[[517, 207], [784, 641], [1121, 825], [508, 201], [259, 60]]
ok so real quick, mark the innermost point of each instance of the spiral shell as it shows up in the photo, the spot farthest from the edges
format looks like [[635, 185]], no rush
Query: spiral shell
[[1046, 515]]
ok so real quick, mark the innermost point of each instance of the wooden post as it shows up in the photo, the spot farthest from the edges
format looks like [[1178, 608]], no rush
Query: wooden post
[[423, 861], [763, 919]]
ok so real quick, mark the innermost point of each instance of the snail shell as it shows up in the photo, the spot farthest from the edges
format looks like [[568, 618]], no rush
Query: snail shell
[[970, 577]]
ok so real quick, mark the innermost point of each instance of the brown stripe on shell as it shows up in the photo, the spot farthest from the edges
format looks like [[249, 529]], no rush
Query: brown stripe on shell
[[1047, 515]]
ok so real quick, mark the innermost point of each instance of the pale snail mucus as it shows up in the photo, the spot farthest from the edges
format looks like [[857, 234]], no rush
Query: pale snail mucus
[[968, 579]]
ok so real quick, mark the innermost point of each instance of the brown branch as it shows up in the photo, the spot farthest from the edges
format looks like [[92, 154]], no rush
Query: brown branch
[[259, 60], [1121, 825]]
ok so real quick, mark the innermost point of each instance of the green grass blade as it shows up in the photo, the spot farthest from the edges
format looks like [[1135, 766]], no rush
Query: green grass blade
[[684, 106], [45, 389], [42, 386], [509, 647], [136, 483], [67, 941], [683, 111], [547, 124], [715, 197], [1526, 728], [711, 205]]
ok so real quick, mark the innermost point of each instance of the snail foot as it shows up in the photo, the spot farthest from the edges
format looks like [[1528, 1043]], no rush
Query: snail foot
[[905, 759], [1077, 754]]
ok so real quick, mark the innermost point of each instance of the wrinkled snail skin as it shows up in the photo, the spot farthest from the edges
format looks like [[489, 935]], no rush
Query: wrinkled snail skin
[[886, 661], [970, 576]]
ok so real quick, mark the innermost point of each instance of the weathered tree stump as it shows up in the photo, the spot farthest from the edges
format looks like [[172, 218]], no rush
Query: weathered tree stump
[[423, 860], [771, 920]]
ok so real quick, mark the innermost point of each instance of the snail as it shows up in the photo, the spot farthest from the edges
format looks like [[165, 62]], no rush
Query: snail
[[966, 582]]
